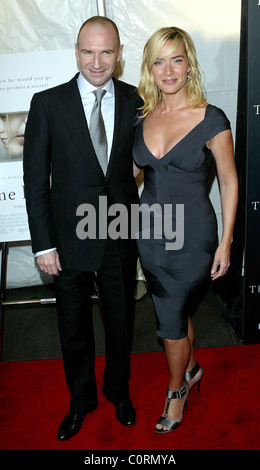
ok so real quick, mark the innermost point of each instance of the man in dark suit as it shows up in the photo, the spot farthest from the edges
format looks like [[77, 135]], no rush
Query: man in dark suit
[[62, 172]]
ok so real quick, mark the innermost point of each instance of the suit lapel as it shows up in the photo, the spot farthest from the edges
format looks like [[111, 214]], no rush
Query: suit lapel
[[121, 123], [71, 110]]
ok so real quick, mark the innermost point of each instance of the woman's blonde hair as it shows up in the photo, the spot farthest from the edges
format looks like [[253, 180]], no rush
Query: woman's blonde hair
[[148, 89]]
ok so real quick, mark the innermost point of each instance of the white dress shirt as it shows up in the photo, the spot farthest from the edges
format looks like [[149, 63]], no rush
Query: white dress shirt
[[108, 113]]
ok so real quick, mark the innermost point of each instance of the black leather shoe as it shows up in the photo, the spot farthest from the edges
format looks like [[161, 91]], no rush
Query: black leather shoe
[[125, 413], [70, 425]]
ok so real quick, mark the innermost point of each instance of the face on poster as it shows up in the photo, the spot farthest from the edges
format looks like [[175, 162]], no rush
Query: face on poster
[[12, 128], [13, 218]]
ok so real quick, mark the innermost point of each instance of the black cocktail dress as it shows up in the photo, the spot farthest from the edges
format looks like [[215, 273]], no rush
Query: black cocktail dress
[[179, 178]]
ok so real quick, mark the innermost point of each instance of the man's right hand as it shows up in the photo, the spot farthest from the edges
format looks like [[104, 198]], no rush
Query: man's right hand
[[49, 263]]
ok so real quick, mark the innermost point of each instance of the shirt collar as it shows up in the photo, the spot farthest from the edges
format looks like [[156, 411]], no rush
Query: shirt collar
[[85, 87]]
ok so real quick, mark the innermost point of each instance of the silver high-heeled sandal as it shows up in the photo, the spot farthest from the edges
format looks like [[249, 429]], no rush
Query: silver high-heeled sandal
[[171, 424], [191, 374]]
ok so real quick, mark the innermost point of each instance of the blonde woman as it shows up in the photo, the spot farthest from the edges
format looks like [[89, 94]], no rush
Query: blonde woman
[[178, 137]]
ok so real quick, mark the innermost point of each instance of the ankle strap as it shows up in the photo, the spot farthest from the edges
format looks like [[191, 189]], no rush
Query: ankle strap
[[189, 375], [177, 394]]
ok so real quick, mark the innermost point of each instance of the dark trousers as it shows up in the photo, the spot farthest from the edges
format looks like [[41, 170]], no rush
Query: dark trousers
[[116, 283]]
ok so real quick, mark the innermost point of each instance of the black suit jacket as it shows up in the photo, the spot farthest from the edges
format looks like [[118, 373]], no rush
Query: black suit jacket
[[61, 170]]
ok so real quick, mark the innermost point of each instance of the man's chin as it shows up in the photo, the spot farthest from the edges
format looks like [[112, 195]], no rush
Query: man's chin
[[97, 80]]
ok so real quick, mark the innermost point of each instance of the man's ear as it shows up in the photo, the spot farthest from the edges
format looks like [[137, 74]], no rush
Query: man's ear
[[120, 52]]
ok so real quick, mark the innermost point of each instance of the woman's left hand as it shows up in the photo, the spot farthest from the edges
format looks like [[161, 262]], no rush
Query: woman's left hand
[[221, 262]]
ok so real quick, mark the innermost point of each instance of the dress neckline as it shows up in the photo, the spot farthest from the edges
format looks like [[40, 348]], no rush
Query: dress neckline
[[181, 140]]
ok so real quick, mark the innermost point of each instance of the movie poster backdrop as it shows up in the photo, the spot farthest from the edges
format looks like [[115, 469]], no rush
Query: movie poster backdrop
[[22, 75]]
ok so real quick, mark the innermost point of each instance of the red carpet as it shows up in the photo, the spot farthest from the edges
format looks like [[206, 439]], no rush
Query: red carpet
[[224, 416]]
